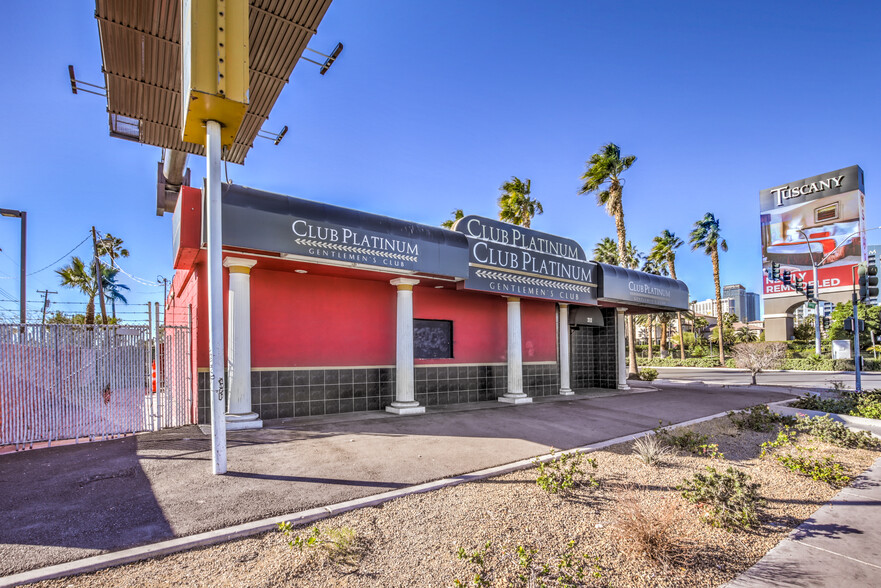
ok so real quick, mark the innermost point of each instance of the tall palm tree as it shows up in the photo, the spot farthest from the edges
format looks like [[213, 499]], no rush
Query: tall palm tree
[[112, 247], [651, 265], [605, 167], [706, 235], [515, 205], [457, 214], [664, 251], [664, 318], [77, 276]]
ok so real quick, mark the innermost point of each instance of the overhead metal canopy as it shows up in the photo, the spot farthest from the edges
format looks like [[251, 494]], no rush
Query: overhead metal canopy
[[140, 47]]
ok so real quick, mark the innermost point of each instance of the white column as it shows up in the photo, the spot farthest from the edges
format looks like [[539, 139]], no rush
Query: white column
[[405, 391], [215, 299], [515, 394], [565, 390], [621, 333], [239, 414]]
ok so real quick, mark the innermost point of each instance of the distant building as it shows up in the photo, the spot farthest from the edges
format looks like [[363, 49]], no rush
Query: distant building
[[803, 312], [708, 307], [746, 304]]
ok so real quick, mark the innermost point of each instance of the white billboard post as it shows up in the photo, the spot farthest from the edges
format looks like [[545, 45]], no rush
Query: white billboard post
[[214, 73]]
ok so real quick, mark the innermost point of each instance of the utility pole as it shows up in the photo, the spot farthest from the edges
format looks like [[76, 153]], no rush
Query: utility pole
[[99, 276], [45, 294], [23, 215], [164, 281]]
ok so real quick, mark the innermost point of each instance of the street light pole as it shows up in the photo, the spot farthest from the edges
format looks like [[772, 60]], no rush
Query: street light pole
[[816, 295], [24, 239]]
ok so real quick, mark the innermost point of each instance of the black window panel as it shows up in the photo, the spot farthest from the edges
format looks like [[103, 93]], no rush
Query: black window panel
[[432, 339]]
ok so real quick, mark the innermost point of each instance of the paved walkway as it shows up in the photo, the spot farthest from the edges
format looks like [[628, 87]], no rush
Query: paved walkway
[[840, 545], [65, 503]]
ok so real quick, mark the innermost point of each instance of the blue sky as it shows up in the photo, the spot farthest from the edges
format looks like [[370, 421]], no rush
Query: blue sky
[[433, 105]]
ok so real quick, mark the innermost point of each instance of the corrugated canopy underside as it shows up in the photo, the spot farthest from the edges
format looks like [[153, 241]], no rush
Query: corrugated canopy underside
[[140, 46]]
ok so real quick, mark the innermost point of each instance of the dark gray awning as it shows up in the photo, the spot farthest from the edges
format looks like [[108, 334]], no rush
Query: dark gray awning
[[639, 290], [591, 316], [264, 221]]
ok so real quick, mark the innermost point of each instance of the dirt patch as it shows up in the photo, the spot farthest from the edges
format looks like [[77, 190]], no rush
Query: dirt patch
[[416, 540]]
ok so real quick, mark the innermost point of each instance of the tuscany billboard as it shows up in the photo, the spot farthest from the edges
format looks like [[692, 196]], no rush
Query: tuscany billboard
[[821, 217]]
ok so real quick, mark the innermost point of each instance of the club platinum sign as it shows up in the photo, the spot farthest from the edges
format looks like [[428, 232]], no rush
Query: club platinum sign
[[264, 221], [626, 286], [512, 260]]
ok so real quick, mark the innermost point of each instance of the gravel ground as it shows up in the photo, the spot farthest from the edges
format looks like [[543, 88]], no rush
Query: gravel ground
[[414, 541]]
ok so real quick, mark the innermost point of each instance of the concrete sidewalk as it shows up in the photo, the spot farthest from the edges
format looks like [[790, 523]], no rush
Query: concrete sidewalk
[[67, 503], [840, 545]]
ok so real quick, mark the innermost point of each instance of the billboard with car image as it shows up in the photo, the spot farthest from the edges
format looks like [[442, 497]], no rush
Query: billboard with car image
[[821, 217]]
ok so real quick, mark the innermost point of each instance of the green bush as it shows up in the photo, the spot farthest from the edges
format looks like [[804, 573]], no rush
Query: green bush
[[758, 418], [823, 470], [700, 362], [732, 499], [834, 432], [690, 441], [861, 404], [564, 472], [648, 374]]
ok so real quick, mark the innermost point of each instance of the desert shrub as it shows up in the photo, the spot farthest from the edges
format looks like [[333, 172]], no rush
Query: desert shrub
[[861, 404], [477, 558], [342, 546], [690, 441], [842, 405], [758, 418], [823, 470], [649, 533], [730, 498], [564, 472], [650, 449], [648, 374], [836, 433]]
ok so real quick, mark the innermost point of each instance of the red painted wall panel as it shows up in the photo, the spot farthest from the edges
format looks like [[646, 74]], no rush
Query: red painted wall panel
[[538, 323], [302, 320]]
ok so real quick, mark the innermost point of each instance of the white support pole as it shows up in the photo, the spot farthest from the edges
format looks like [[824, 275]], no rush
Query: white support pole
[[620, 334], [405, 388], [515, 394], [215, 300], [240, 415], [565, 390]]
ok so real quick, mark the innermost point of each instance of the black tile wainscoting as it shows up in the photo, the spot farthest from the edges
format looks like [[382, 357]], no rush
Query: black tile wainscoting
[[277, 394]]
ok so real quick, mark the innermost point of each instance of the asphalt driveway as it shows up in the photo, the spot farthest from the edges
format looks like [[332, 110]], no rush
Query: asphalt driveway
[[69, 502]]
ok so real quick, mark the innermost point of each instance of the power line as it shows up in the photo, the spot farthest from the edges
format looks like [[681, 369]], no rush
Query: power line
[[60, 258]]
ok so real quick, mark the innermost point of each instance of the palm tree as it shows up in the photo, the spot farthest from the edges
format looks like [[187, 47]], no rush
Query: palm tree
[[457, 214], [664, 251], [664, 318], [606, 167], [745, 335], [78, 277], [652, 266], [707, 236], [112, 247], [515, 205], [606, 251], [645, 321]]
